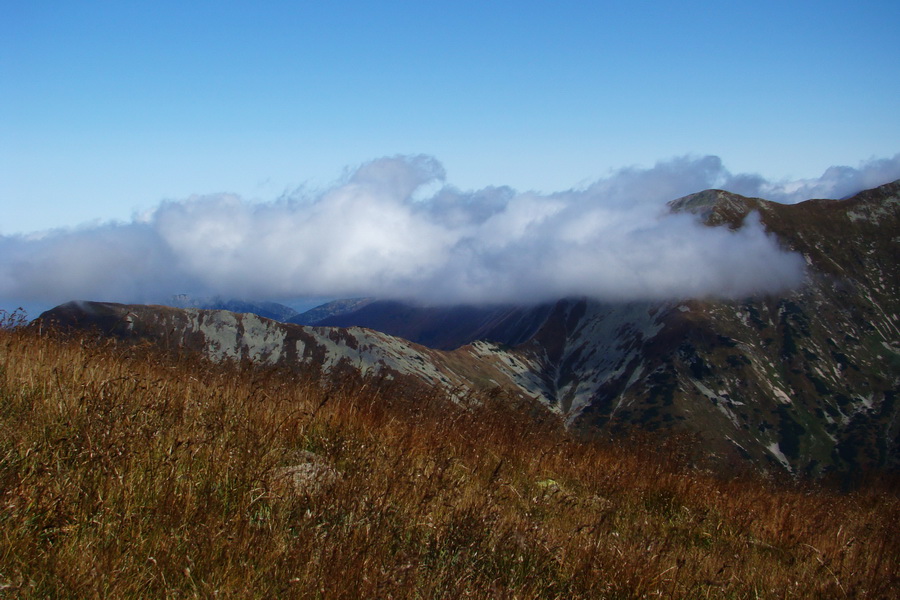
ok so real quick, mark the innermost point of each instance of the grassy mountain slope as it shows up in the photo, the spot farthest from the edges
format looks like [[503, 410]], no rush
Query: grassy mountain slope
[[128, 472], [808, 380]]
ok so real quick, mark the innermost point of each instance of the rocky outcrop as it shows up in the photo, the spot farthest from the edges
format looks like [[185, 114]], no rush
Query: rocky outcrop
[[225, 336]]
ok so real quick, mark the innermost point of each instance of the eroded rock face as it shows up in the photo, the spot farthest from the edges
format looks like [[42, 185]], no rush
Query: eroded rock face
[[223, 335], [806, 381]]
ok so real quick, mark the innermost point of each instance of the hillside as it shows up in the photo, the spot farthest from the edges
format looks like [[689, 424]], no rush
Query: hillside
[[445, 327], [805, 382], [127, 472], [317, 351]]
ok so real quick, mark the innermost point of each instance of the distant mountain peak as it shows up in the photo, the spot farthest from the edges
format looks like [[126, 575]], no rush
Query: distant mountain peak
[[330, 309], [265, 309], [707, 200], [716, 207]]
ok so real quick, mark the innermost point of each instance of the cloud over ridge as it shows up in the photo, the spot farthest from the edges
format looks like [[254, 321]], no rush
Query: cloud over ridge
[[376, 234]]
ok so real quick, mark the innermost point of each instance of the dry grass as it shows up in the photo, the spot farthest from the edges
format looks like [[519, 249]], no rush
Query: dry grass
[[126, 473]]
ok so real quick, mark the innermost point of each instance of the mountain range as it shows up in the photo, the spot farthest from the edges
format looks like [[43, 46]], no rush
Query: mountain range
[[805, 381]]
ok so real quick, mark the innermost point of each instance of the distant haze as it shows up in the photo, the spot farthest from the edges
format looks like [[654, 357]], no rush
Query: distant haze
[[394, 228]]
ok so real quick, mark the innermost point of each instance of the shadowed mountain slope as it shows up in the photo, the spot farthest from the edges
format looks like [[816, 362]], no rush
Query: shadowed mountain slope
[[446, 327]]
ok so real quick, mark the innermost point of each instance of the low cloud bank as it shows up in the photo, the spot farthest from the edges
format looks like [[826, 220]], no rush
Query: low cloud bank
[[374, 235], [835, 183]]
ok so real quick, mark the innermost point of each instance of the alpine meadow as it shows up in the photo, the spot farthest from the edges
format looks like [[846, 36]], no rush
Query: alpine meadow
[[436, 300]]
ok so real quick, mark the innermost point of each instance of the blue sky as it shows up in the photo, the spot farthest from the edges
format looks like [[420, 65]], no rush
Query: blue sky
[[441, 152], [110, 108]]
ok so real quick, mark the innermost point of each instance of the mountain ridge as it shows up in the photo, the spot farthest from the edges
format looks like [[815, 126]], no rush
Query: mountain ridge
[[805, 381]]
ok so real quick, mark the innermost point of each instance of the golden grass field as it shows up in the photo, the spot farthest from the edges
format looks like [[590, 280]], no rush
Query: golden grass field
[[126, 473]]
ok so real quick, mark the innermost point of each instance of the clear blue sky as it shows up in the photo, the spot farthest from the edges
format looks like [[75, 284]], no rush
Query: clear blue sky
[[107, 108]]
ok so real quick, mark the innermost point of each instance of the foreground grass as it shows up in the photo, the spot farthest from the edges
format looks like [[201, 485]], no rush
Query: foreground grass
[[124, 473]]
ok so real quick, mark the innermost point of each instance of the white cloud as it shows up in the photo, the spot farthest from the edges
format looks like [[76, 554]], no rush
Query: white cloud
[[836, 182], [377, 234]]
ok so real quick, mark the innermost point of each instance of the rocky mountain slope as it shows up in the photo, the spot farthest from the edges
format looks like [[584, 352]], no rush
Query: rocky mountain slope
[[806, 381], [246, 337]]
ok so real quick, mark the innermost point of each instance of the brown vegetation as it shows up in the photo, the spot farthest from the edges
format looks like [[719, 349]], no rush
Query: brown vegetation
[[127, 473]]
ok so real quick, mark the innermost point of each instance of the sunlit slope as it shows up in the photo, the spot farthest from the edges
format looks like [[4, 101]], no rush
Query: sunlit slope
[[126, 472]]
